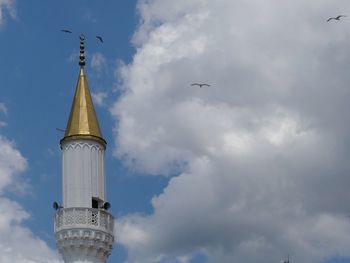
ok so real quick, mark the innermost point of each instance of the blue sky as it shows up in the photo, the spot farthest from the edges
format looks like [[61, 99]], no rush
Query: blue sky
[[194, 175]]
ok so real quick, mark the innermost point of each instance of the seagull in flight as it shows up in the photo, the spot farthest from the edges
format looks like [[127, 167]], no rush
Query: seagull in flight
[[66, 31], [100, 38], [200, 84], [335, 18]]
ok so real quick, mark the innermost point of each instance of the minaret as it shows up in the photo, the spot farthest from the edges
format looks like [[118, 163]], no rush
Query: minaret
[[83, 227]]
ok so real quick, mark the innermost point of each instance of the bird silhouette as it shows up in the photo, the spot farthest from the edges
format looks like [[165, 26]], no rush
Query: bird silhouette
[[335, 18], [200, 84], [99, 38], [66, 31]]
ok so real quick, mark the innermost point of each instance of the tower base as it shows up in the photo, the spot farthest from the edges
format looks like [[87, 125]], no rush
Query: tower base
[[84, 235]]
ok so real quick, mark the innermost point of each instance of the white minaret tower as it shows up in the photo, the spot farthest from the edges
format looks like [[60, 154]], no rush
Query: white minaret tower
[[83, 227]]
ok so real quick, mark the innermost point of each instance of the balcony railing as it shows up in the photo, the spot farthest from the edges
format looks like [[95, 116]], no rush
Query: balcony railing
[[80, 217]]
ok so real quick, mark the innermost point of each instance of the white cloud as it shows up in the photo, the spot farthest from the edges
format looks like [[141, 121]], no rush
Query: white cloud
[[99, 98], [7, 6], [89, 16], [98, 62], [12, 163], [74, 56], [2, 124], [17, 243], [262, 155], [3, 108]]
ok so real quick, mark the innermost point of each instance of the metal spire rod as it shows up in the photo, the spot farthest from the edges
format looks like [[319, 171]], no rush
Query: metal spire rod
[[82, 50]]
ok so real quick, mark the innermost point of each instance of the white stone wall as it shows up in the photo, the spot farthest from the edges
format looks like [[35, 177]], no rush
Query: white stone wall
[[82, 172]]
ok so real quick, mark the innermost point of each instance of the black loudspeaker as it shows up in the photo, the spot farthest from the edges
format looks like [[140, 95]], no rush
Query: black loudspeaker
[[56, 206], [106, 206]]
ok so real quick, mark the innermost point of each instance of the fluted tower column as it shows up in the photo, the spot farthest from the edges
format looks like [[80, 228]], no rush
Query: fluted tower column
[[83, 226]]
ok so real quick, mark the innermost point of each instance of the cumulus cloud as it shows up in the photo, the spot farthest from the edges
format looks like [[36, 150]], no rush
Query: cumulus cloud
[[98, 62], [7, 6], [99, 98], [3, 111], [89, 16], [261, 156], [3, 108], [17, 243], [12, 163]]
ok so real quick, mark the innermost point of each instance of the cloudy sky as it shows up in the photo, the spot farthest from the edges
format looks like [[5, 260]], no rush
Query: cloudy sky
[[250, 169]]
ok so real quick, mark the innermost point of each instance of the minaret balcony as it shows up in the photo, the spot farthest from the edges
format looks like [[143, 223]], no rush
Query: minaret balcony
[[84, 234], [82, 217]]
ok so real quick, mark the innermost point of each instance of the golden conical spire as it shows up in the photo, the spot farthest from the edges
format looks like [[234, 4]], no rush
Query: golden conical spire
[[82, 123]]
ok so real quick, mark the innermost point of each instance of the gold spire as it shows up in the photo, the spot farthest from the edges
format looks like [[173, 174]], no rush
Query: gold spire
[[82, 123]]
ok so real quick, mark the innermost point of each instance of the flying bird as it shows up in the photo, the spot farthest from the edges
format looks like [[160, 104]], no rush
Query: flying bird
[[335, 18], [66, 31], [200, 84], [100, 38], [60, 130]]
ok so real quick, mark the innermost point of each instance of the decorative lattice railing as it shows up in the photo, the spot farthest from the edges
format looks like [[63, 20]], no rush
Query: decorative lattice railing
[[80, 217]]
